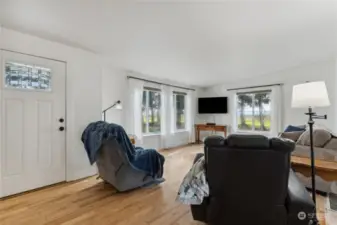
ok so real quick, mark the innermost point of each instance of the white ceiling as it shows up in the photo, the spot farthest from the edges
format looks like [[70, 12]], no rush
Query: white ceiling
[[196, 42]]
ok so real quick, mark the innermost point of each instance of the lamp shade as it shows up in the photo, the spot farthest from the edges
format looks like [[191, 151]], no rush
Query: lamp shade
[[311, 94], [119, 106]]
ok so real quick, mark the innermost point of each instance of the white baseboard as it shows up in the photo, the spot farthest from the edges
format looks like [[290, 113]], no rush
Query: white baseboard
[[79, 174]]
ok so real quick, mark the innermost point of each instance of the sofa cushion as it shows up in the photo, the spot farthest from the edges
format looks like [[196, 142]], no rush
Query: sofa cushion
[[332, 144], [292, 128], [320, 153], [294, 135], [320, 137]]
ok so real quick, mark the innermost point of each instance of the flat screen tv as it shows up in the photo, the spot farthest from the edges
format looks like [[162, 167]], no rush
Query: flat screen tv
[[212, 105]]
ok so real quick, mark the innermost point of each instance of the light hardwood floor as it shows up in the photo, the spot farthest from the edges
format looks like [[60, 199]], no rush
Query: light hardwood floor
[[90, 202]]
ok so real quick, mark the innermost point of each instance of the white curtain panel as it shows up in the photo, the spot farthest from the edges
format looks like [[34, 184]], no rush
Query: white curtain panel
[[134, 109], [171, 118], [166, 109], [232, 100], [276, 110], [191, 108]]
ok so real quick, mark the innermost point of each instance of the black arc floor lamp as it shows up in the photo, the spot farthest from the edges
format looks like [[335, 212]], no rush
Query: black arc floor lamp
[[311, 95]]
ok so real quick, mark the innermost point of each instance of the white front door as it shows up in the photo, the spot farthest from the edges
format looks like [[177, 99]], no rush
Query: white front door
[[32, 134]]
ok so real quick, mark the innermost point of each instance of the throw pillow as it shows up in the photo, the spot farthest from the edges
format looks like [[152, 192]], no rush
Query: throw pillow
[[321, 126], [320, 138], [292, 128], [294, 136], [332, 144]]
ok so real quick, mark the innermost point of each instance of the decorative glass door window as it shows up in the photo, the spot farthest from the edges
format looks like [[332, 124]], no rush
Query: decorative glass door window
[[24, 76]]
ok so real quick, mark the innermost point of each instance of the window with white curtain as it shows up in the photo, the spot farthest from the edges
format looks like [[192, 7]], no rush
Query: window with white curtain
[[253, 111], [151, 115], [179, 102]]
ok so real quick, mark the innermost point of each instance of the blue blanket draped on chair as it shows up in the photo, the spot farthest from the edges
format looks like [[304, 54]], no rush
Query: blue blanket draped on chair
[[146, 160]]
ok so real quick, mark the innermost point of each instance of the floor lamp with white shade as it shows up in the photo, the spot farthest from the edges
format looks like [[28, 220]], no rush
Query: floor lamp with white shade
[[311, 95]]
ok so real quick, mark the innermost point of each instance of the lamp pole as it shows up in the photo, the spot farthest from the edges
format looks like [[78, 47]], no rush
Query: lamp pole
[[312, 115], [304, 97]]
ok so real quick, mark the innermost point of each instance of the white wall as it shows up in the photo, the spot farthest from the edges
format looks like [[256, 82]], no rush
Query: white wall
[[317, 71], [114, 87], [83, 91]]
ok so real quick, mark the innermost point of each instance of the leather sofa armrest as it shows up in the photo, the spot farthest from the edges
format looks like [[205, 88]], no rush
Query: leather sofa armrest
[[298, 201]]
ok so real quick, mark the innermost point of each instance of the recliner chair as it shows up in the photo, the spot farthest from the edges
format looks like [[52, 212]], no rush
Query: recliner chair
[[114, 168], [251, 183]]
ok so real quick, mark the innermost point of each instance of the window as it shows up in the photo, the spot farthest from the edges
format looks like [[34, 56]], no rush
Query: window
[[23, 76], [151, 111], [179, 110], [253, 111]]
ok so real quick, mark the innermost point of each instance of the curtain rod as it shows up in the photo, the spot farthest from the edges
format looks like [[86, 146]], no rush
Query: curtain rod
[[155, 82], [241, 88]]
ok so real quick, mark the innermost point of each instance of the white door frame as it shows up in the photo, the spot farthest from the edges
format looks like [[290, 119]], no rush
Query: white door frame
[[65, 102]]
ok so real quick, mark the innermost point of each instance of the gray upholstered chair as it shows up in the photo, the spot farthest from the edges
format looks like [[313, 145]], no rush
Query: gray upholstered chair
[[114, 168]]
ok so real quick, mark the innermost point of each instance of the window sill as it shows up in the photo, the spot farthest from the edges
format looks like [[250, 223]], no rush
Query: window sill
[[180, 131], [151, 134], [253, 132]]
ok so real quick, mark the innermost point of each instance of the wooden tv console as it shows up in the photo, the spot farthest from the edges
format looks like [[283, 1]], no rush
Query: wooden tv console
[[205, 127]]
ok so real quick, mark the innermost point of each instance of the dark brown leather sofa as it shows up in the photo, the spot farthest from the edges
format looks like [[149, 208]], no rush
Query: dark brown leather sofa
[[251, 183]]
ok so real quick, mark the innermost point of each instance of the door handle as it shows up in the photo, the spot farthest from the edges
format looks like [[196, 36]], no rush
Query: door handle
[[61, 128]]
